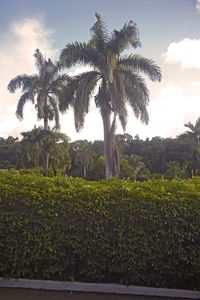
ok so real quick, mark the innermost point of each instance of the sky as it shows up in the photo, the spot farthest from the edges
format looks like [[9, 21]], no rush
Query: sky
[[170, 35]]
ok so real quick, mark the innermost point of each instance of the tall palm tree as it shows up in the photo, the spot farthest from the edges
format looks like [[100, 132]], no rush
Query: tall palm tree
[[117, 78], [42, 89]]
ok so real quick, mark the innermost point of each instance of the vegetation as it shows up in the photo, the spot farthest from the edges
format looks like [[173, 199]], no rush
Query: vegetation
[[139, 159], [112, 231]]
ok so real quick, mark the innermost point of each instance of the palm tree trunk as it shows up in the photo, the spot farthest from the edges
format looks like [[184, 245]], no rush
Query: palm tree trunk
[[110, 151], [46, 154], [46, 123], [114, 151], [46, 163], [84, 171], [38, 158], [106, 127]]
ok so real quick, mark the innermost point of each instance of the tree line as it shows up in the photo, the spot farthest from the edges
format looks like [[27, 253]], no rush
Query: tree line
[[114, 81], [139, 159]]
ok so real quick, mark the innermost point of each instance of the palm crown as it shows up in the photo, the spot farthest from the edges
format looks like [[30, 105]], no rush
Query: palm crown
[[118, 78], [43, 89], [194, 131]]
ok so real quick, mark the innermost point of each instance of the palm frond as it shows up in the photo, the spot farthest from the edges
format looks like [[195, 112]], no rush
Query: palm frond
[[79, 116], [190, 126], [66, 96], [59, 82], [81, 53], [137, 94], [39, 60], [23, 82], [86, 83], [120, 100], [197, 125], [22, 101], [138, 63], [120, 40], [57, 86], [99, 34]]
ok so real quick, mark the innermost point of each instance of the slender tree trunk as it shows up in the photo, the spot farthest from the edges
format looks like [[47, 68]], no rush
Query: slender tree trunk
[[46, 154], [46, 163], [110, 150], [198, 145], [54, 171], [84, 171], [107, 152], [38, 159], [114, 151], [46, 123]]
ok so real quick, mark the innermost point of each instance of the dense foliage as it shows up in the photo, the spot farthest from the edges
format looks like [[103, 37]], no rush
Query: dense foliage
[[171, 158], [144, 233]]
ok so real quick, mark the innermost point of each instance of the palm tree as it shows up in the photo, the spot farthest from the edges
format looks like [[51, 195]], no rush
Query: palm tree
[[42, 89], [32, 142], [84, 156], [134, 168], [56, 145], [39, 142], [194, 131], [140, 171], [117, 78]]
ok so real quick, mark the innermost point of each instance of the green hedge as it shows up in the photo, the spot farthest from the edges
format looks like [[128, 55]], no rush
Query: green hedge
[[115, 231]]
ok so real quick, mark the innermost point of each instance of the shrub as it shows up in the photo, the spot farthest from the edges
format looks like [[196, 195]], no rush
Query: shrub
[[111, 231]]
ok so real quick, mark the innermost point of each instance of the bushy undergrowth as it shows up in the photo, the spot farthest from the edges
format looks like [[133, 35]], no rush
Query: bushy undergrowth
[[110, 231]]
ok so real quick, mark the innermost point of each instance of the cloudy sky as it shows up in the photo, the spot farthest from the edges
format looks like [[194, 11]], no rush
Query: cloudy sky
[[170, 35]]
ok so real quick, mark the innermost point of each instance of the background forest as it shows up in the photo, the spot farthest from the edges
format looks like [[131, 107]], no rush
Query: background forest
[[139, 159]]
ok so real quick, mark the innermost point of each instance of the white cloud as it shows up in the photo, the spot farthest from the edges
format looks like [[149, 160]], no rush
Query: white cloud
[[168, 113], [185, 52], [16, 57]]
